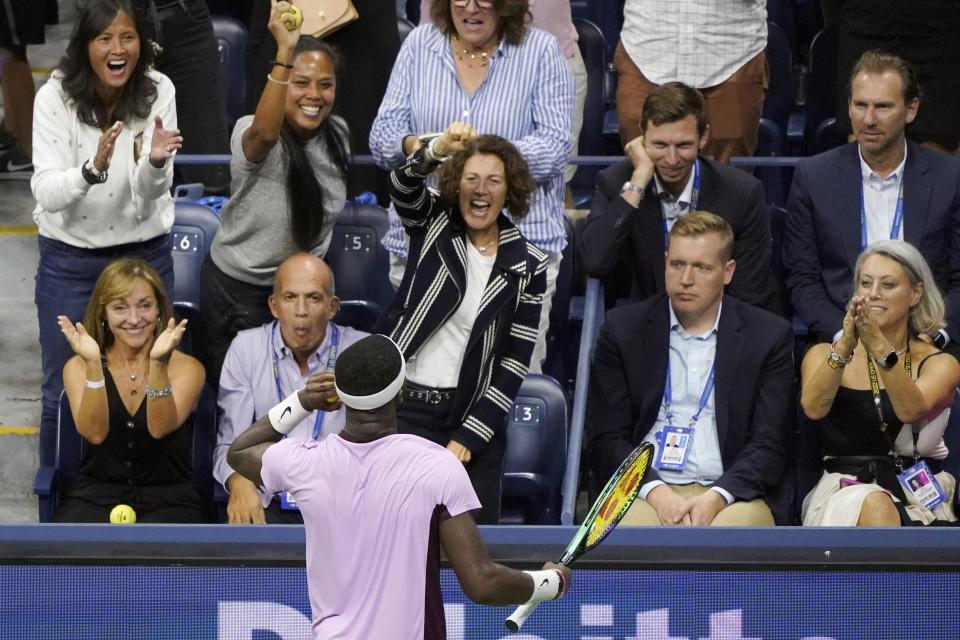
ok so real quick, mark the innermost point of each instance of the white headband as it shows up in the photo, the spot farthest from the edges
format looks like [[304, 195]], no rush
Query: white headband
[[380, 398]]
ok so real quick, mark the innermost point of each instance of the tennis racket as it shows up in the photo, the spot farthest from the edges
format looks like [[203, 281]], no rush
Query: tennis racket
[[610, 506]]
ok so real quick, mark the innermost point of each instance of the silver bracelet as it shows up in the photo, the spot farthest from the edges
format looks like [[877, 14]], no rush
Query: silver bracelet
[[156, 394], [95, 384]]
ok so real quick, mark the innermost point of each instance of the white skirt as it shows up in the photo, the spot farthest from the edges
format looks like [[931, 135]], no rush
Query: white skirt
[[830, 505]]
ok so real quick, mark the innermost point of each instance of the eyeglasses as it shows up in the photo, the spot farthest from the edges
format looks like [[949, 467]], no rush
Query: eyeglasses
[[482, 5]]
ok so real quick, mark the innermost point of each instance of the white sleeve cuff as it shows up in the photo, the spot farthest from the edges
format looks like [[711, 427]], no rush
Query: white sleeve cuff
[[648, 487], [726, 494]]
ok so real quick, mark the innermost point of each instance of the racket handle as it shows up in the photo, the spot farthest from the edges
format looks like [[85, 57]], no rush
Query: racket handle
[[519, 616]]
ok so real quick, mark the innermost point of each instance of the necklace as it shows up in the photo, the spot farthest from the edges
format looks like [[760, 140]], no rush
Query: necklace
[[135, 375], [487, 246], [482, 57]]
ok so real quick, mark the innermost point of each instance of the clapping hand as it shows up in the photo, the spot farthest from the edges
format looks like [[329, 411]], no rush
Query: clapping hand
[[80, 341], [867, 328], [108, 139], [164, 143], [849, 336], [454, 139], [167, 341]]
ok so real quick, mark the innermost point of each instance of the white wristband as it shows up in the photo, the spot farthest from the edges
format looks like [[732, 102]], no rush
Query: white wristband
[[284, 416], [547, 585], [95, 384]]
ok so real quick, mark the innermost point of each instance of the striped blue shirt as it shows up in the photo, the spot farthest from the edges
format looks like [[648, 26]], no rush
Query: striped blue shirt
[[526, 97]]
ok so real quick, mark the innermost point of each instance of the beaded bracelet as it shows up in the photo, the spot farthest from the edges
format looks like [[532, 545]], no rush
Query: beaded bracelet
[[156, 394], [277, 63]]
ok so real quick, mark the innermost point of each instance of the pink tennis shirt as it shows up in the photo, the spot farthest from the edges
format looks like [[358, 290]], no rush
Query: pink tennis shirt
[[371, 512]]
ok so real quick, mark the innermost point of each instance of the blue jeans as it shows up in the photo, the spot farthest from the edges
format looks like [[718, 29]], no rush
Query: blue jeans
[[65, 279]]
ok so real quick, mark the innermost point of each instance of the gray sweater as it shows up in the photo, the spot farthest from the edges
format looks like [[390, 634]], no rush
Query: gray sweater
[[255, 235]]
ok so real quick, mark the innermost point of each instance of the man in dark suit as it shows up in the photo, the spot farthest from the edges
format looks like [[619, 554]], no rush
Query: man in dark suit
[[849, 197], [695, 362], [663, 177]]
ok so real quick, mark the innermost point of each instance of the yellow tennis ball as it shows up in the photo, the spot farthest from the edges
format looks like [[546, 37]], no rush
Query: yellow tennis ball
[[292, 19], [123, 514]]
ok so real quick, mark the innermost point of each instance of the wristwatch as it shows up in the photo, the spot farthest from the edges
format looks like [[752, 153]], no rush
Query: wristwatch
[[90, 173], [940, 339], [629, 186], [888, 360]]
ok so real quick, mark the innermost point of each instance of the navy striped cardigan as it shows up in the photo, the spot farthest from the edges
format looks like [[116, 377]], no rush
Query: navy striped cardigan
[[504, 333]]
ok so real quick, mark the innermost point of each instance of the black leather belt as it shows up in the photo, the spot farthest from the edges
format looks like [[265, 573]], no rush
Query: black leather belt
[[428, 395]]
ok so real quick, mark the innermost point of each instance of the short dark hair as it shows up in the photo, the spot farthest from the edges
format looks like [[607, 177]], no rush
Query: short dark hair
[[520, 184], [79, 80], [674, 101], [699, 223], [368, 366], [879, 62], [512, 14]]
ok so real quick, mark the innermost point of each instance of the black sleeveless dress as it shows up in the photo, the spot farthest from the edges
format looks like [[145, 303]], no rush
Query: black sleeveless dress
[[132, 467]]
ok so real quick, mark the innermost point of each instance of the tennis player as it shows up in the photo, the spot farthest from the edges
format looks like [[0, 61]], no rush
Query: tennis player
[[375, 503]]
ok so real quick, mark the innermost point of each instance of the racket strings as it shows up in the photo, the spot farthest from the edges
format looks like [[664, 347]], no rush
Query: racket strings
[[622, 495]]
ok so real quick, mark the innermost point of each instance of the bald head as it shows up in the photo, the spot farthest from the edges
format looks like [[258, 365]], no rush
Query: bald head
[[304, 265], [304, 302]]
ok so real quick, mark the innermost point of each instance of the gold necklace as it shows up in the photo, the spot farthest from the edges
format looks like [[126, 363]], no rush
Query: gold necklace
[[487, 246], [483, 57]]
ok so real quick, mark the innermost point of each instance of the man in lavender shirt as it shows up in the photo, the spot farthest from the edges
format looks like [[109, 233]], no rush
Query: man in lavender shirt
[[375, 504], [265, 364]]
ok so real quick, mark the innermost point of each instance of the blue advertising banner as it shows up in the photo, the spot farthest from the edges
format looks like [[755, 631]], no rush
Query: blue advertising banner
[[60, 602]]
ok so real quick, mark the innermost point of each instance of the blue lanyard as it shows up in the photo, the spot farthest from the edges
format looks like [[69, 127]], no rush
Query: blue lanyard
[[897, 217], [704, 397], [331, 360], [694, 199]]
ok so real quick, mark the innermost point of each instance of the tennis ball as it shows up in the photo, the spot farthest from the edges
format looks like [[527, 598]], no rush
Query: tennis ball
[[123, 514], [292, 19]]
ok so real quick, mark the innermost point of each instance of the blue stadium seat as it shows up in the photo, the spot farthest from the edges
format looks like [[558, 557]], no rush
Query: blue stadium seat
[[194, 228], [232, 43], [591, 141], [360, 264], [774, 179], [606, 14], [821, 133], [537, 428], [779, 99], [50, 482]]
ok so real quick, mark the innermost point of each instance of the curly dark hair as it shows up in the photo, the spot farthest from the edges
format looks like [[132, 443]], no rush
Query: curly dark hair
[[513, 16], [520, 184], [79, 80]]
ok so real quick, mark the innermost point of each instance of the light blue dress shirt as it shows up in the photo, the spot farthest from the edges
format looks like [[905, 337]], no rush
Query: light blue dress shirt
[[691, 358]]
